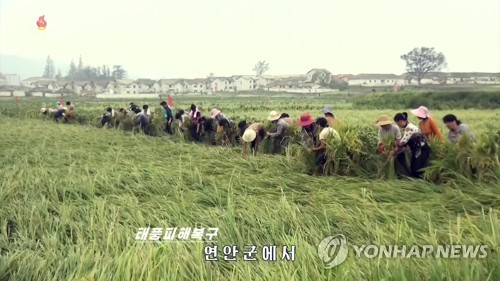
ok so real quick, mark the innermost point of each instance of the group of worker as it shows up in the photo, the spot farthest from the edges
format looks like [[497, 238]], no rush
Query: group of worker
[[416, 138], [61, 112], [314, 132]]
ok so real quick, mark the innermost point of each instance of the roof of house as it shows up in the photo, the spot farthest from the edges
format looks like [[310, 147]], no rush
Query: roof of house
[[375, 76], [170, 81], [147, 82], [125, 81]]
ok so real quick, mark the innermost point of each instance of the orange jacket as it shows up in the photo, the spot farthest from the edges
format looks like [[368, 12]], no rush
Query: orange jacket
[[429, 128]]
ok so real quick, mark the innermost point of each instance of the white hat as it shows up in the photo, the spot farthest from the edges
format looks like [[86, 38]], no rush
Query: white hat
[[249, 135], [43, 110], [273, 115]]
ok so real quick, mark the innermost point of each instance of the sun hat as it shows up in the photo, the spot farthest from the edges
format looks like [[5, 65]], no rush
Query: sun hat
[[249, 135], [305, 120], [328, 109], [273, 115], [421, 112], [43, 110], [383, 120], [214, 112]]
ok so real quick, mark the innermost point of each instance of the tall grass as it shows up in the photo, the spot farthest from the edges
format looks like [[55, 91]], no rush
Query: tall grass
[[73, 197], [354, 155]]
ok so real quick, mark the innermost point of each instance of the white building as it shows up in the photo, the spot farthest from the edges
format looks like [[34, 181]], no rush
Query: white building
[[375, 80]]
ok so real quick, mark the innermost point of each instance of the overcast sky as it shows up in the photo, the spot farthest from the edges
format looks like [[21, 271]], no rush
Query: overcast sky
[[192, 38]]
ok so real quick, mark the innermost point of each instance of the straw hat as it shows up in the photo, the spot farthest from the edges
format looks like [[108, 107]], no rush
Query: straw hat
[[305, 120], [421, 112], [214, 112], [383, 120], [249, 135], [273, 115]]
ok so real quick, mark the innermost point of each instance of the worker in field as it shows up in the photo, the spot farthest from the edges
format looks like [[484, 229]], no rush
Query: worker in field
[[389, 131], [107, 117], [252, 134], [287, 118], [226, 129], [330, 117], [59, 115], [308, 131], [70, 112], [132, 109], [146, 110], [169, 117], [427, 125], [217, 114], [457, 129], [416, 141], [180, 123], [142, 121], [326, 133], [194, 111], [281, 126]]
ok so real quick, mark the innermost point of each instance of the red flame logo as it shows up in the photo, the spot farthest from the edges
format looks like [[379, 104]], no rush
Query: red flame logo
[[41, 23]]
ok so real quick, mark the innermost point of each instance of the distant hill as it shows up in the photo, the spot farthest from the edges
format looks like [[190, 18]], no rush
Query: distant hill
[[27, 67]]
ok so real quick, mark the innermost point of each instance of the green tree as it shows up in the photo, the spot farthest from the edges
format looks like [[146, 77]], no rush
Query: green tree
[[420, 61], [73, 71], [49, 71], [261, 67]]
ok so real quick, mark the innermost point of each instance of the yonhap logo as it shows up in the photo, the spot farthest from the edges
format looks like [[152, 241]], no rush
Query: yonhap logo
[[333, 250]]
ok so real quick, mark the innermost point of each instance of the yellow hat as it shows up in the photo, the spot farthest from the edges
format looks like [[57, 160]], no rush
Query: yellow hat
[[273, 115], [249, 135], [383, 120]]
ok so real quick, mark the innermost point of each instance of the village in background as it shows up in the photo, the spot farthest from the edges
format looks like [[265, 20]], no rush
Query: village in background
[[106, 82]]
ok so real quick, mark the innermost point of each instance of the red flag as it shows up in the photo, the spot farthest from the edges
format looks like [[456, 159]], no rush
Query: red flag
[[17, 100], [170, 101], [61, 101]]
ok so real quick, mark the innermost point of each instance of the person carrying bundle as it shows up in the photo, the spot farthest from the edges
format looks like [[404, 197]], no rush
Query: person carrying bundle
[[416, 141], [389, 131], [326, 133], [282, 125]]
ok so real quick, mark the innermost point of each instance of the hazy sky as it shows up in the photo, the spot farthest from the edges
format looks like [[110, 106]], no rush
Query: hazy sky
[[192, 38]]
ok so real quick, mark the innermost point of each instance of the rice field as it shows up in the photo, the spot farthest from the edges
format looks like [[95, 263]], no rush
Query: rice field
[[74, 195]]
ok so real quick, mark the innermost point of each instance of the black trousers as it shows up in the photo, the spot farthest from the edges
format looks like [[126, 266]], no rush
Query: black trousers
[[401, 160], [420, 162], [168, 128], [320, 159]]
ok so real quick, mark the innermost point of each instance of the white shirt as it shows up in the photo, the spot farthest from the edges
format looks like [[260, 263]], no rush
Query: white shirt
[[327, 132]]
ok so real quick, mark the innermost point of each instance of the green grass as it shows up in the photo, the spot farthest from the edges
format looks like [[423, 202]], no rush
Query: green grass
[[77, 194]]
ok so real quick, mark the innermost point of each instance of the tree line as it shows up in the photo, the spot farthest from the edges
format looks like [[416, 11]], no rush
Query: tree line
[[83, 72]]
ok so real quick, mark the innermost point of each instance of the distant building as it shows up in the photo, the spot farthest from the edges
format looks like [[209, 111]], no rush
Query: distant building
[[374, 80], [10, 80]]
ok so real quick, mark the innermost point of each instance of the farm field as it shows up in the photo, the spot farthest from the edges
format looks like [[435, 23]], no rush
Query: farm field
[[74, 195]]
